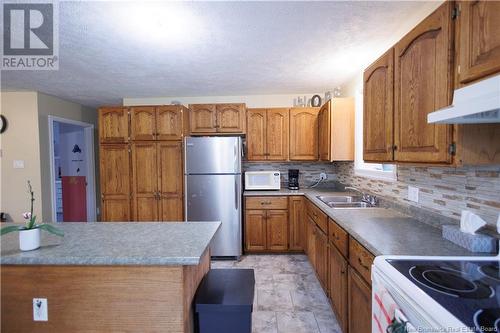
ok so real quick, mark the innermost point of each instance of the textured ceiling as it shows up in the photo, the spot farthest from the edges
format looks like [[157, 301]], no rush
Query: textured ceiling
[[111, 50]]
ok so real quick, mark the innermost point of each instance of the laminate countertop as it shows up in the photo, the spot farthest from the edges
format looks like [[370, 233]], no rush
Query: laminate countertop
[[115, 243], [383, 231]]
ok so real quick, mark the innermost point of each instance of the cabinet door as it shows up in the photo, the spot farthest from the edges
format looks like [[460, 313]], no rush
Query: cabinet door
[[143, 123], [321, 249], [255, 230], [324, 132], [304, 134], [256, 134], [169, 122], [277, 230], [145, 181], [170, 178], [115, 185], [113, 125], [311, 240], [277, 134], [231, 118], [337, 281], [297, 223], [202, 118], [423, 84], [359, 304], [479, 39], [378, 109]]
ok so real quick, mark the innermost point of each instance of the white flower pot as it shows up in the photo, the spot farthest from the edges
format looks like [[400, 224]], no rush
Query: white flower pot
[[29, 239]]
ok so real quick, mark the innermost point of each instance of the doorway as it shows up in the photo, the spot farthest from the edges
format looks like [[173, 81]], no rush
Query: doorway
[[72, 170]]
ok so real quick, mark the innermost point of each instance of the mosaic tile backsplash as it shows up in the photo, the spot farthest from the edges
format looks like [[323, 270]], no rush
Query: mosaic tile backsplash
[[446, 191], [309, 172]]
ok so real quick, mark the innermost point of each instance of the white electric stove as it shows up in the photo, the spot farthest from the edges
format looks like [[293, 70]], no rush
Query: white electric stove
[[435, 294]]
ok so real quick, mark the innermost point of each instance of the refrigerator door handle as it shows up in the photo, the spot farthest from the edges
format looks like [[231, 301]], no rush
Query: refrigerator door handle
[[236, 196]]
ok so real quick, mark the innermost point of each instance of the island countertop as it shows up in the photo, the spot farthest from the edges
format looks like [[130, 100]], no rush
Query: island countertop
[[115, 243]]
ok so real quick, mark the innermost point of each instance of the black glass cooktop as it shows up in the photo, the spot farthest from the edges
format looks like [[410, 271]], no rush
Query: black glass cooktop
[[470, 290]]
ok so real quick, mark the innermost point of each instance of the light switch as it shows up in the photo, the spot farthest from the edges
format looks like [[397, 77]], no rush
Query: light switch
[[413, 193], [18, 164], [40, 309]]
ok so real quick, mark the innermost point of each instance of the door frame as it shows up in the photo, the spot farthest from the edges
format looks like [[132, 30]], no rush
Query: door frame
[[88, 132]]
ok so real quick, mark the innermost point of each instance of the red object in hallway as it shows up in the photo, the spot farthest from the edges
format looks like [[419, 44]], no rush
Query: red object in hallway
[[74, 199]]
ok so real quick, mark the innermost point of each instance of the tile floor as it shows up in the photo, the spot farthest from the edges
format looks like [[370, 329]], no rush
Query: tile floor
[[288, 296]]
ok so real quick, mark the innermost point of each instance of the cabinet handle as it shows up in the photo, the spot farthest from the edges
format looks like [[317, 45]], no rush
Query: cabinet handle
[[265, 202], [363, 264]]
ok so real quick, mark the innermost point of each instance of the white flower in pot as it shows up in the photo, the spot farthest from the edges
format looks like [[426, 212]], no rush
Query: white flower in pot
[[29, 234]]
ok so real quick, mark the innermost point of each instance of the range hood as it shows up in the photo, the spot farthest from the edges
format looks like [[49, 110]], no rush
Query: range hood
[[478, 103]]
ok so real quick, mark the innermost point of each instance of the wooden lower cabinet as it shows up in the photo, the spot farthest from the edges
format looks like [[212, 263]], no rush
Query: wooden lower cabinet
[[337, 285], [266, 224], [255, 230], [296, 223], [311, 240], [359, 303], [321, 257], [277, 230]]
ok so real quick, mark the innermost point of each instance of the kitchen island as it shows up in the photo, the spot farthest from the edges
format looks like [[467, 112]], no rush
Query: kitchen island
[[107, 277]]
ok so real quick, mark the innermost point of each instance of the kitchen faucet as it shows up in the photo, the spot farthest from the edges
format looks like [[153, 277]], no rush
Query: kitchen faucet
[[371, 199]]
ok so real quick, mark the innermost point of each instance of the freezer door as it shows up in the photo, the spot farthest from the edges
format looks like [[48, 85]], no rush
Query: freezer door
[[212, 155], [217, 198]]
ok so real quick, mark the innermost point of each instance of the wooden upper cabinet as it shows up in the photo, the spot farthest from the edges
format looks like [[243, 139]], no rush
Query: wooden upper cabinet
[[378, 109], [256, 134], [115, 182], [267, 134], [170, 178], [144, 181], [277, 134], [143, 123], [336, 130], [304, 134], [231, 118], [423, 84], [478, 40], [113, 124], [171, 121], [203, 118], [217, 118], [324, 132]]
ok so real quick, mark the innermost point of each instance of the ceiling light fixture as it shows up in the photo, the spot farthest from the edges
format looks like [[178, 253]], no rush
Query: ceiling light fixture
[[166, 24]]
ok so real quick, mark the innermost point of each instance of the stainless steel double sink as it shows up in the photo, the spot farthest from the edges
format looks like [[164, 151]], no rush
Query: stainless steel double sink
[[344, 201]]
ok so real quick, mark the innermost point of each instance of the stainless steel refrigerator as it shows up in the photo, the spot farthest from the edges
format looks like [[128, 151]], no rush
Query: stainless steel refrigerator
[[212, 172]]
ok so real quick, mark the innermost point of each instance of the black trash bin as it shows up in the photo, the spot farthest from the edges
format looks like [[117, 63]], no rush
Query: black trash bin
[[224, 301]]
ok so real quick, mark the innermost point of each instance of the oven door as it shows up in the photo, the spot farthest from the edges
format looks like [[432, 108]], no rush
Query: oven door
[[392, 310]]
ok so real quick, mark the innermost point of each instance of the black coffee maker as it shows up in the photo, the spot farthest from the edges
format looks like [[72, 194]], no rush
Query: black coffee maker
[[293, 179]]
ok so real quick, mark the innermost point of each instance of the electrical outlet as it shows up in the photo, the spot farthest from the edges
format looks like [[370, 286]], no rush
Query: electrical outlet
[[413, 193], [323, 176], [40, 309], [18, 164]]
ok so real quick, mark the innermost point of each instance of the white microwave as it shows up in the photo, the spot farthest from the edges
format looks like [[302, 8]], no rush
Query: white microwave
[[262, 180]]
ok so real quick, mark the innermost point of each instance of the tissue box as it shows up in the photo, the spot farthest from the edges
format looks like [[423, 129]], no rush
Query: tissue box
[[474, 243]]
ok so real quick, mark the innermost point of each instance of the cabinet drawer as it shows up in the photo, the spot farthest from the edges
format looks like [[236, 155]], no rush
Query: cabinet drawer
[[318, 216], [339, 237], [361, 259], [266, 203]]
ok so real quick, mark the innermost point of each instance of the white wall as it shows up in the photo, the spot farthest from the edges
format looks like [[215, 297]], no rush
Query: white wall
[[252, 101], [20, 142]]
